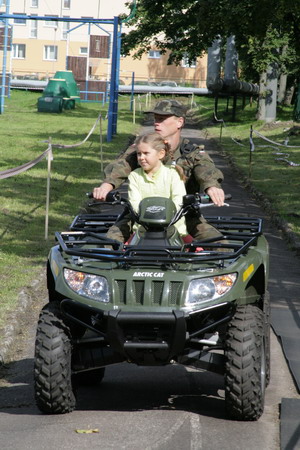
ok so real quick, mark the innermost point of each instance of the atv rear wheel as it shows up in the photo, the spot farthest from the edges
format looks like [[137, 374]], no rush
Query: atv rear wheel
[[52, 368], [245, 373]]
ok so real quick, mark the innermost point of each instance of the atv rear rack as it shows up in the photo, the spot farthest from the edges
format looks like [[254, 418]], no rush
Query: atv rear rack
[[87, 240]]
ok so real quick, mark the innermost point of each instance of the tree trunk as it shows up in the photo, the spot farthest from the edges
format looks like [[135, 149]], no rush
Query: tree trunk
[[282, 80], [289, 96], [271, 91], [261, 113], [282, 88]]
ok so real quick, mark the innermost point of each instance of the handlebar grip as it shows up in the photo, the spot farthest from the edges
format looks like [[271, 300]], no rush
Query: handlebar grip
[[113, 196]]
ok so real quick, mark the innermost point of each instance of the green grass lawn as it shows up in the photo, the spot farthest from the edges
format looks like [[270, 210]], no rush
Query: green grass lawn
[[276, 179], [74, 171]]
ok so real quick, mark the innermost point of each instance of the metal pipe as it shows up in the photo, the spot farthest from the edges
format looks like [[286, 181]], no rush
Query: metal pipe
[[5, 40], [113, 91]]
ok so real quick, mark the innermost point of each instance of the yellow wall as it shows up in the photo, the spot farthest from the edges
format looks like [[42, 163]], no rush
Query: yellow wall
[[34, 63], [152, 69], [146, 69]]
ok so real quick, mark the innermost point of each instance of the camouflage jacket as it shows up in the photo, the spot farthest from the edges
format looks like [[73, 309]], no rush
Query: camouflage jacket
[[199, 169]]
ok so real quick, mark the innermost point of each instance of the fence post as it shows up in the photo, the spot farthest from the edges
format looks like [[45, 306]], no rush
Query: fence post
[[132, 92], [133, 116], [221, 131], [49, 159], [192, 99], [101, 143], [250, 152]]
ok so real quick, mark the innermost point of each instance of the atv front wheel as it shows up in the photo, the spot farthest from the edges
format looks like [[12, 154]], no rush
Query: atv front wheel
[[245, 373], [52, 367]]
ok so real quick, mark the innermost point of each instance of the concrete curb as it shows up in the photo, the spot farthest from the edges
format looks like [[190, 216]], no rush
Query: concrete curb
[[25, 299]]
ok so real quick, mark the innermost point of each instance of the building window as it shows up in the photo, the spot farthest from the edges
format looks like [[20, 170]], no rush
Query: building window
[[50, 52], [186, 63], [19, 21], [51, 23], [154, 54], [97, 49], [33, 28], [34, 3], [83, 50], [2, 2], [65, 29], [67, 4], [18, 51]]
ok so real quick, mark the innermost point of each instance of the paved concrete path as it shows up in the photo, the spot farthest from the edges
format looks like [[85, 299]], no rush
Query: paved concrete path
[[284, 282]]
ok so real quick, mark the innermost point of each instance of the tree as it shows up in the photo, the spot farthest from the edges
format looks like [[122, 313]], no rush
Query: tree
[[262, 28]]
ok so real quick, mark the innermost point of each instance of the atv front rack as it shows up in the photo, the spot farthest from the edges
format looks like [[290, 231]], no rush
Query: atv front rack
[[87, 240], [97, 223]]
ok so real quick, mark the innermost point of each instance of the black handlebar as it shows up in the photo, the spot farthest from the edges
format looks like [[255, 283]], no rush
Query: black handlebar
[[114, 196], [191, 202]]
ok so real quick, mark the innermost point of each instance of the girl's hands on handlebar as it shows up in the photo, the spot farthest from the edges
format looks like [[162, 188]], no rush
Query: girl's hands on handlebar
[[217, 195]]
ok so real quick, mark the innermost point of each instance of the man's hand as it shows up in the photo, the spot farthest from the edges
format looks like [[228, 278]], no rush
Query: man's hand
[[100, 193], [217, 195]]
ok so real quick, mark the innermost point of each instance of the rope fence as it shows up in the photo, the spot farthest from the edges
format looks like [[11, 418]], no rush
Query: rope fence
[[284, 157], [275, 146], [49, 154]]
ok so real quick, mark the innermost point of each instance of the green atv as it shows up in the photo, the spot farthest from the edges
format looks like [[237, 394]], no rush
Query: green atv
[[156, 300]]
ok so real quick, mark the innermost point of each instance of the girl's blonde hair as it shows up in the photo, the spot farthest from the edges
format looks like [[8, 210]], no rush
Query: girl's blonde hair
[[157, 142]]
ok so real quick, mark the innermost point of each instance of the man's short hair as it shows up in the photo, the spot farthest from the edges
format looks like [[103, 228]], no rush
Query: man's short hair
[[169, 108]]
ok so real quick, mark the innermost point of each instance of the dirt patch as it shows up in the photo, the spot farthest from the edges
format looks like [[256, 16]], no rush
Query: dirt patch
[[31, 300]]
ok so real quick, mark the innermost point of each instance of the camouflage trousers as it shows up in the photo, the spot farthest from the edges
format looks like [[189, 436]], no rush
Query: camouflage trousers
[[197, 227]]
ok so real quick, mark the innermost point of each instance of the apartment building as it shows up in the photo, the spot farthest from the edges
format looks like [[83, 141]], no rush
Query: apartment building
[[39, 48]]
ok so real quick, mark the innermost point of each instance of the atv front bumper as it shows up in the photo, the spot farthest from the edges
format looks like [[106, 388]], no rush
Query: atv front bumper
[[146, 338]]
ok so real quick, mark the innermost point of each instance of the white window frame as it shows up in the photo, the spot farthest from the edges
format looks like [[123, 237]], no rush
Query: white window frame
[[66, 4], [154, 54], [34, 4], [47, 51], [185, 62], [65, 29], [83, 53], [16, 50], [51, 23], [33, 32], [23, 23]]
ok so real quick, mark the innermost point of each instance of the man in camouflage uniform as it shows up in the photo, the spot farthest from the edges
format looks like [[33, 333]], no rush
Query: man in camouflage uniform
[[200, 172]]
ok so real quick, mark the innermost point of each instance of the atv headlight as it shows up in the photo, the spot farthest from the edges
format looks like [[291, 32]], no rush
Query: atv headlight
[[206, 289], [87, 285]]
